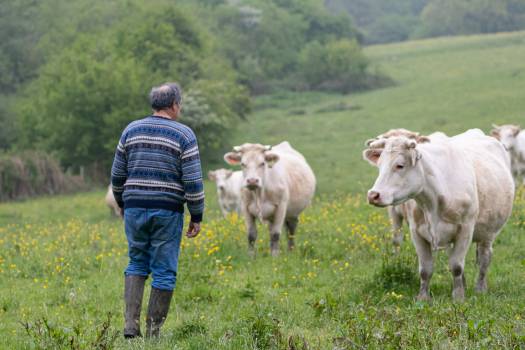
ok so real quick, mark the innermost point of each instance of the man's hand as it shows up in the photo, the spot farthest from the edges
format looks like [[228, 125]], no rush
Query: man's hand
[[193, 229]]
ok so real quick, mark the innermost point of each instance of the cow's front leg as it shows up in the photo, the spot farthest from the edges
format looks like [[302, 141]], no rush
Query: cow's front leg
[[457, 261], [424, 255], [483, 255], [275, 228], [291, 226], [251, 227], [397, 226]]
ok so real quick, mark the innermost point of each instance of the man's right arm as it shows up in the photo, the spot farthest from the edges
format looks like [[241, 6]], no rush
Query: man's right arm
[[119, 172]]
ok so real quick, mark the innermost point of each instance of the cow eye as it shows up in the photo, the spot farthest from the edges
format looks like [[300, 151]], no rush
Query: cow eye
[[243, 165], [261, 165], [400, 167]]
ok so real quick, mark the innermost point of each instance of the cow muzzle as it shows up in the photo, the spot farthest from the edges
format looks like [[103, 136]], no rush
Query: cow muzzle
[[252, 184], [374, 198]]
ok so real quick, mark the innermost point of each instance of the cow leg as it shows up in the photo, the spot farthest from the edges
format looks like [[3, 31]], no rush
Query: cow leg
[[276, 226], [223, 207], [426, 262], [251, 227], [457, 261], [483, 255], [397, 226], [291, 226]]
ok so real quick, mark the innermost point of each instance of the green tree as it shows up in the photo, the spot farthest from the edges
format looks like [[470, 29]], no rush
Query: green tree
[[337, 65], [86, 94]]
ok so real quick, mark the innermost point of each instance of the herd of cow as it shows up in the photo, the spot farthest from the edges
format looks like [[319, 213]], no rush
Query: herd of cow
[[450, 190]]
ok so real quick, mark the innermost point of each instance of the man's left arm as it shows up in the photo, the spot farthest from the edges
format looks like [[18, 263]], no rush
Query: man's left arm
[[192, 179]]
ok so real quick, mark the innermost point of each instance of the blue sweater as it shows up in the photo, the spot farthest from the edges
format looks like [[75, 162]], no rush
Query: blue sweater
[[157, 165]]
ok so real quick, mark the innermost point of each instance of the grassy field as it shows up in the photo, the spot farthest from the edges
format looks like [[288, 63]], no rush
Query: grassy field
[[62, 258], [450, 85]]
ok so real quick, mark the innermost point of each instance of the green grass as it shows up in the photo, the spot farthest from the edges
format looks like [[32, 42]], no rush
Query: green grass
[[62, 258]]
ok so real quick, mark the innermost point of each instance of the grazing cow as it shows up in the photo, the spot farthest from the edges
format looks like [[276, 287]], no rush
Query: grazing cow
[[513, 138], [228, 189], [112, 203], [463, 190], [278, 184], [398, 213]]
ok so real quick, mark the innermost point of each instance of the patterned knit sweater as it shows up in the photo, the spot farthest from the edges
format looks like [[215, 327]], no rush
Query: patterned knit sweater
[[157, 165]]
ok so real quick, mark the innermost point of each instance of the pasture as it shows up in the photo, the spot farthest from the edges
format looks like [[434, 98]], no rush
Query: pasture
[[62, 258]]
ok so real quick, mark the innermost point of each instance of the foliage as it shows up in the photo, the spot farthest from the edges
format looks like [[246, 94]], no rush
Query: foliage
[[337, 65], [447, 17], [263, 39], [386, 21], [87, 93]]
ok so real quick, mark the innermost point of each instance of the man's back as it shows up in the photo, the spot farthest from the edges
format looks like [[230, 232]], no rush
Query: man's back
[[157, 165]]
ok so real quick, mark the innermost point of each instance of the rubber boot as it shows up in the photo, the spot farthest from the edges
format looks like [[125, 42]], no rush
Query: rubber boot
[[158, 307], [133, 292]]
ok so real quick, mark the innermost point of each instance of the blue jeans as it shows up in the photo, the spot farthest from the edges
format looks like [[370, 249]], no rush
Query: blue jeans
[[154, 237]]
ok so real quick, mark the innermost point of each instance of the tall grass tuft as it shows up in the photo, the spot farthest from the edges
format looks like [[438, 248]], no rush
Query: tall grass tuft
[[33, 173]]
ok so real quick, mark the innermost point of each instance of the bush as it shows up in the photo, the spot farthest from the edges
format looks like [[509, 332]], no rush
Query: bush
[[336, 66], [33, 173]]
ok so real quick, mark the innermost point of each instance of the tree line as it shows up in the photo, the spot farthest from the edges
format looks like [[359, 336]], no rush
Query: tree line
[[73, 73], [382, 21]]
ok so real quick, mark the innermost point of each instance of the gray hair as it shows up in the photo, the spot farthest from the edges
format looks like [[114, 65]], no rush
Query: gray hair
[[164, 96]]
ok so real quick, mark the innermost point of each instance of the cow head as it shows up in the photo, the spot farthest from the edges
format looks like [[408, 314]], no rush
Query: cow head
[[400, 174], [399, 133], [506, 134], [255, 160], [220, 177]]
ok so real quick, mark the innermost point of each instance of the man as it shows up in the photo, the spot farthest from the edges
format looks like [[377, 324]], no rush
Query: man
[[155, 171]]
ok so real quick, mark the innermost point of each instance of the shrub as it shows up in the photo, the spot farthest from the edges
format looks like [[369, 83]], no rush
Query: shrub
[[33, 173], [336, 66]]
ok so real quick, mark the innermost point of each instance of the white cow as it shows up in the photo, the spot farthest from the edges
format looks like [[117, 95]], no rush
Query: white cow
[[278, 184], [513, 138], [399, 213], [112, 203], [463, 190], [229, 185]]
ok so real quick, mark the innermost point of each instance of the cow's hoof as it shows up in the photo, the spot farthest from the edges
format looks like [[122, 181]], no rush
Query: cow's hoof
[[458, 295], [481, 287], [275, 253], [424, 297], [251, 253]]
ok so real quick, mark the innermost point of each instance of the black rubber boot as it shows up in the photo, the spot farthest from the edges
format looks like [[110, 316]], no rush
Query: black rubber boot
[[158, 307], [133, 292]]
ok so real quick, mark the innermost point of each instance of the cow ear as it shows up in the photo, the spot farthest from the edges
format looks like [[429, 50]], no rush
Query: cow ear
[[495, 133], [271, 158], [372, 155], [415, 155], [516, 130], [369, 142], [232, 158], [212, 176], [422, 139]]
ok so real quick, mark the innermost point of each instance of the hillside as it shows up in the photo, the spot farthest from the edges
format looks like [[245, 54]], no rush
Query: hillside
[[343, 287], [446, 84]]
